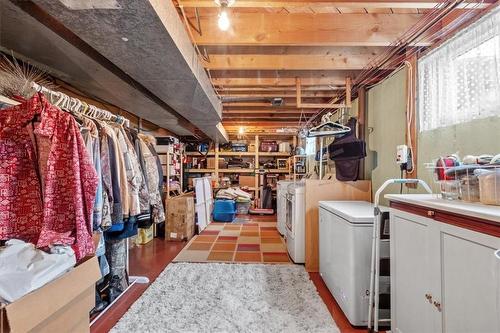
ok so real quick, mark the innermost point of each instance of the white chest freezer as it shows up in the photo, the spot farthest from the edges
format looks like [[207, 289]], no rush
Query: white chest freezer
[[345, 239]]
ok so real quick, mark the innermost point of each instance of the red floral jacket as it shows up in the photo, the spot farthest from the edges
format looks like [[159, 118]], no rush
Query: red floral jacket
[[47, 180]]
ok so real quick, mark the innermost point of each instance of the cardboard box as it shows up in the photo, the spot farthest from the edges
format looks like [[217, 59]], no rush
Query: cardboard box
[[180, 218], [211, 163], [247, 181], [62, 305], [144, 236]]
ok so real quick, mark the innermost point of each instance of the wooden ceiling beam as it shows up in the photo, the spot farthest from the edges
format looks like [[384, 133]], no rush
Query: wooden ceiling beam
[[252, 112], [278, 82], [257, 122], [275, 121], [306, 29], [257, 105], [324, 3], [339, 61], [272, 94], [283, 89]]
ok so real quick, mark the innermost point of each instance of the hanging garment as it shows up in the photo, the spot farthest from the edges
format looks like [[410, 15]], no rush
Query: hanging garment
[[107, 189], [116, 253], [150, 141], [90, 136], [143, 219], [152, 179], [47, 180], [132, 172], [135, 146], [347, 152], [118, 178], [110, 170]]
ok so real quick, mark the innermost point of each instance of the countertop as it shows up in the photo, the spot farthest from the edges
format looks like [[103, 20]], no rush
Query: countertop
[[433, 201]]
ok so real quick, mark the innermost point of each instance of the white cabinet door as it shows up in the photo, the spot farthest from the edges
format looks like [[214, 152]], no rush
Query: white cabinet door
[[411, 312], [470, 281]]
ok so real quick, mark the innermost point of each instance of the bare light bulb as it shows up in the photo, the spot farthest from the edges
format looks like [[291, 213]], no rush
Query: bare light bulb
[[223, 22], [242, 130]]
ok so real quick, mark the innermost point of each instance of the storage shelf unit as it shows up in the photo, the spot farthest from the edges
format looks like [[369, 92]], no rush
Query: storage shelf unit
[[168, 159], [255, 155], [292, 169]]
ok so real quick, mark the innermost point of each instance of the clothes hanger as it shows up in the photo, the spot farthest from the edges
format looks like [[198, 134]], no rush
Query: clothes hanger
[[328, 128]]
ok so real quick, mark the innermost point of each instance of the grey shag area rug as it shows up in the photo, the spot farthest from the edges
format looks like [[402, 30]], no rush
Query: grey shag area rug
[[190, 297]]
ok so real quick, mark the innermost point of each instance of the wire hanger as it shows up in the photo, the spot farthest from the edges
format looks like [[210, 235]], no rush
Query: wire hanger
[[328, 128]]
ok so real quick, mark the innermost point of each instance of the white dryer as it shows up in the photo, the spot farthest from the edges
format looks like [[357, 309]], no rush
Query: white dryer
[[295, 222], [282, 190]]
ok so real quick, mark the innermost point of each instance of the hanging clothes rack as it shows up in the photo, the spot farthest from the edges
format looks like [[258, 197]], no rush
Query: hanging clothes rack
[[326, 128], [76, 105]]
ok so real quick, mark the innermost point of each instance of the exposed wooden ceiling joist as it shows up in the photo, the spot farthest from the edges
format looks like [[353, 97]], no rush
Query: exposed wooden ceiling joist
[[278, 90], [277, 78], [284, 81], [306, 29], [272, 94], [257, 105], [271, 111], [323, 3], [262, 123], [293, 50], [342, 61]]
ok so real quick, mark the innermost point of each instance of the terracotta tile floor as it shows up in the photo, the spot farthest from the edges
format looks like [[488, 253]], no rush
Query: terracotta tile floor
[[254, 241], [150, 260]]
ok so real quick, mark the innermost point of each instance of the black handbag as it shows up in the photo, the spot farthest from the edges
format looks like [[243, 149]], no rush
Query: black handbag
[[347, 152]]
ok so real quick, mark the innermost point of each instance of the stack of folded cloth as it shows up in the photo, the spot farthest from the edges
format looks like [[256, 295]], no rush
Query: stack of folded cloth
[[234, 193]]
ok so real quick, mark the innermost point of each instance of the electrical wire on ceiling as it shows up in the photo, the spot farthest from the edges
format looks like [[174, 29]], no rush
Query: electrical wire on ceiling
[[202, 55], [427, 32]]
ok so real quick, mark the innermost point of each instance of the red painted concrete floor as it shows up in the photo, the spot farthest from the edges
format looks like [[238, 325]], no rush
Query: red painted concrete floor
[[151, 259]]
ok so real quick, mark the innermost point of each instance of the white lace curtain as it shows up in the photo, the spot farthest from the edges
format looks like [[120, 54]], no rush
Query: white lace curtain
[[460, 80]]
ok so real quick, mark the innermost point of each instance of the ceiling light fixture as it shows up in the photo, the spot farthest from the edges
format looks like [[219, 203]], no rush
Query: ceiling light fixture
[[224, 23], [241, 130]]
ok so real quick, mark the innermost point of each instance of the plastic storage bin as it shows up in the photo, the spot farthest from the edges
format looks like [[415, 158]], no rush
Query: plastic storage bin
[[469, 188], [489, 187], [242, 207], [224, 210]]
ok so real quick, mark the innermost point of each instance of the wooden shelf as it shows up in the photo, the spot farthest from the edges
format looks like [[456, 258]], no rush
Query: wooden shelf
[[200, 170], [198, 154], [277, 171], [236, 170], [235, 153], [278, 154]]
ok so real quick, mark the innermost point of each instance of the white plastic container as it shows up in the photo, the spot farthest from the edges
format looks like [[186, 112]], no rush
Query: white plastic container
[[284, 147], [489, 187]]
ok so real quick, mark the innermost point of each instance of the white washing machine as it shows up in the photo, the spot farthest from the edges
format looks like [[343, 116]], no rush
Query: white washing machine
[[345, 240], [282, 190], [295, 222]]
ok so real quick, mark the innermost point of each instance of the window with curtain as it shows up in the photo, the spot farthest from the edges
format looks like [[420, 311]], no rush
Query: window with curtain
[[460, 80]]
